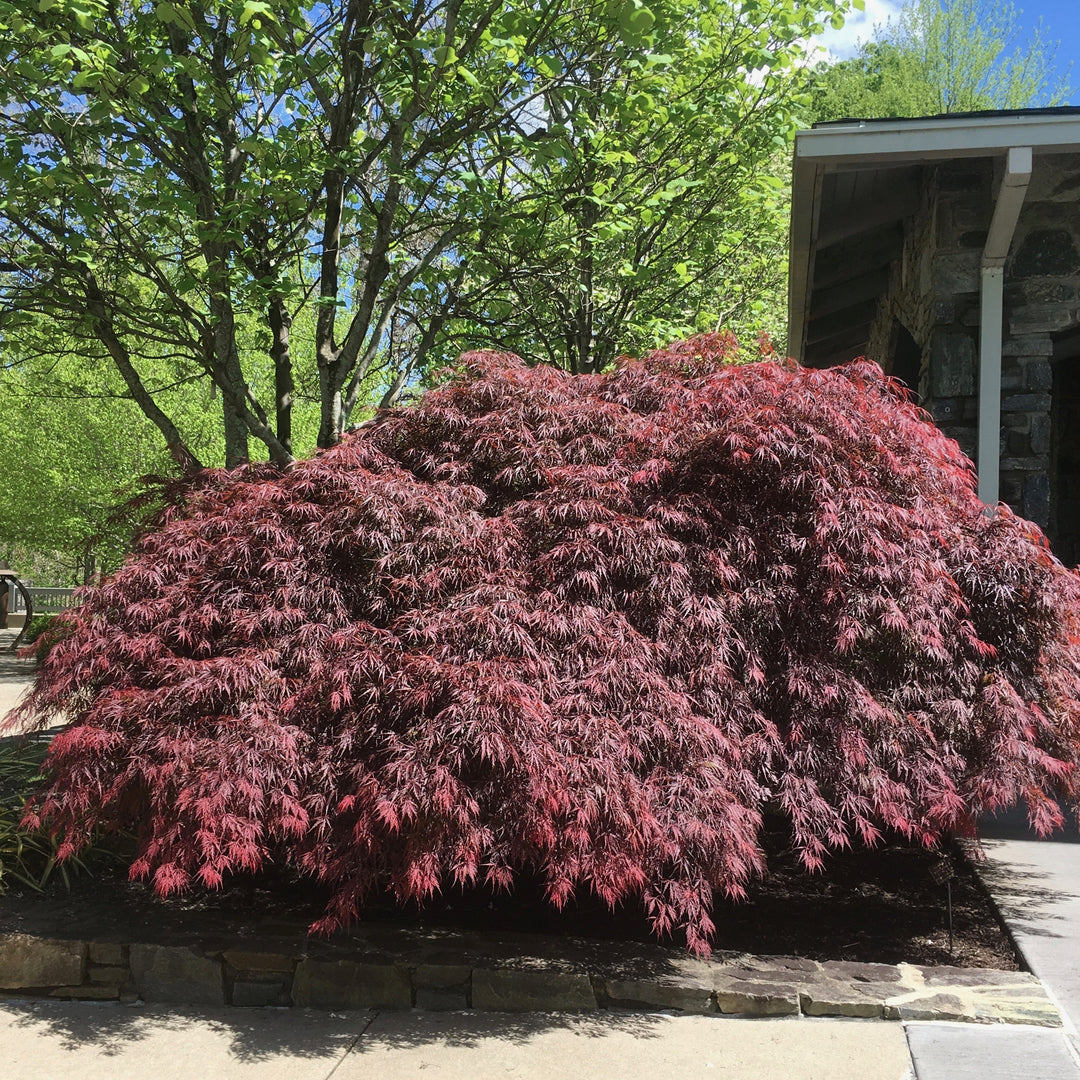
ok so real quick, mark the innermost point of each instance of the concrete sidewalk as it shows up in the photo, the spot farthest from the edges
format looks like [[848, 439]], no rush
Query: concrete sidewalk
[[16, 675], [1036, 887], [102, 1043]]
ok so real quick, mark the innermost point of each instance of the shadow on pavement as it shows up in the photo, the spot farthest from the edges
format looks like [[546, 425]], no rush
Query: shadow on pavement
[[412, 1029], [253, 1035], [1024, 899], [1017, 875], [256, 1035]]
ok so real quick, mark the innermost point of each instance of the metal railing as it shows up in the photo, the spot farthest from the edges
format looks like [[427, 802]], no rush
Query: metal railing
[[47, 601]]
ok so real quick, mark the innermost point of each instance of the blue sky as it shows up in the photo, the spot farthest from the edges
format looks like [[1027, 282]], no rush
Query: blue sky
[[1060, 22]]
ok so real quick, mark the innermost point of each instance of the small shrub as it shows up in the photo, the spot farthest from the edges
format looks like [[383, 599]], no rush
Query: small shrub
[[42, 633], [586, 625], [37, 626], [27, 856]]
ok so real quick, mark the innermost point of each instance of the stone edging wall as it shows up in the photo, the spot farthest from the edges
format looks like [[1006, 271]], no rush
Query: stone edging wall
[[747, 986]]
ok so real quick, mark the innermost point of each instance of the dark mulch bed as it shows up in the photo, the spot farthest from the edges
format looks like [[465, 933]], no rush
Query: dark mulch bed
[[886, 905]]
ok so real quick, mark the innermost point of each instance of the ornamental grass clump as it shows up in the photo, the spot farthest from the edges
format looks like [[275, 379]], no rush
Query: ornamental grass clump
[[28, 857], [589, 627]]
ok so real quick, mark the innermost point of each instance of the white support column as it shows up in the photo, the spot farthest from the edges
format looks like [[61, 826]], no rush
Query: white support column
[[990, 319], [1010, 198]]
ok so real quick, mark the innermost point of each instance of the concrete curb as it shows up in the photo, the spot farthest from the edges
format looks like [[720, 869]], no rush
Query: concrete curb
[[442, 972]]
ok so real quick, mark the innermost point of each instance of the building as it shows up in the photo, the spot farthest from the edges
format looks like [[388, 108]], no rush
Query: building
[[948, 249]]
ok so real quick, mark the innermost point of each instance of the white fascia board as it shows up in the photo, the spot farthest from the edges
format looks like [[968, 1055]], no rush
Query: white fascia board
[[867, 142]]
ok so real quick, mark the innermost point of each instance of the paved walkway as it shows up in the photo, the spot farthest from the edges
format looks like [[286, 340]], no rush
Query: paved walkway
[[15, 675], [95, 1043], [1036, 887]]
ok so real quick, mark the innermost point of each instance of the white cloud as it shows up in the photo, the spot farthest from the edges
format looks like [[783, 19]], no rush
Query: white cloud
[[858, 27]]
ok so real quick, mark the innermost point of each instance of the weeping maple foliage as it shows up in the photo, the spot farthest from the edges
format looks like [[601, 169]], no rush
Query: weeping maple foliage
[[585, 626]]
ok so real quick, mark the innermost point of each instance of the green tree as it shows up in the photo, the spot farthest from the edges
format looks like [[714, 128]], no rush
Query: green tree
[[942, 56], [360, 182], [646, 199], [169, 168], [74, 444], [880, 80]]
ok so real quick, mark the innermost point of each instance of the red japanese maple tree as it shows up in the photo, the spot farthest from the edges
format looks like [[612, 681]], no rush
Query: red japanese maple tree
[[586, 625]]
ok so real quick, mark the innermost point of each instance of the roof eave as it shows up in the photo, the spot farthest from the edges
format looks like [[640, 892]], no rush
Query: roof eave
[[866, 143], [898, 141]]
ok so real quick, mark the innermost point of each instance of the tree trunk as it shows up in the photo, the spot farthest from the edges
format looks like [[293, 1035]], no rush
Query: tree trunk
[[236, 435], [106, 332], [280, 325], [228, 359], [332, 415]]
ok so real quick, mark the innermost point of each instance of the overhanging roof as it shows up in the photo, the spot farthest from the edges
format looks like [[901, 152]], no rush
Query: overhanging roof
[[854, 182]]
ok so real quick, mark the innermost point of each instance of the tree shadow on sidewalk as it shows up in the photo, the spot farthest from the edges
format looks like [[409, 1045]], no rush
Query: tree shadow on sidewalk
[[259, 1035]]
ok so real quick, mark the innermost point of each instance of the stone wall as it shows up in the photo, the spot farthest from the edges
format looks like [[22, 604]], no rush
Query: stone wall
[[443, 974], [934, 295], [910, 300]]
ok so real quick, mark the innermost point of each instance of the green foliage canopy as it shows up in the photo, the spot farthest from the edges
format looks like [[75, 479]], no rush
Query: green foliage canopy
[[647, 200], [74, 443], [256, 157], [175, 174]]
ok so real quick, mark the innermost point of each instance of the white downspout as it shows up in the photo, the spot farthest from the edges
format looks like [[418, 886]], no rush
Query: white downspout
[[1014, 185]]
